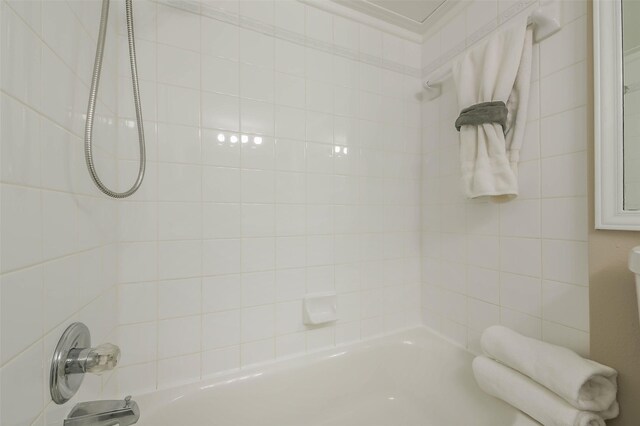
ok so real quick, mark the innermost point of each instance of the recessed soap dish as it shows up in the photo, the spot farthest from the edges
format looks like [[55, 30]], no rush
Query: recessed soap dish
[[320, 308]]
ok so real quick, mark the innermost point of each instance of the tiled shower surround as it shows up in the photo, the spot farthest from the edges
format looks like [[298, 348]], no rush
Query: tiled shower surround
[[288, 153], [58, 256], [522, 264], [284, 159]]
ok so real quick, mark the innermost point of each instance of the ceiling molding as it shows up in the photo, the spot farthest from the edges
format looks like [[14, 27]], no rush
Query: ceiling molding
[[338, 8], [398, 20]]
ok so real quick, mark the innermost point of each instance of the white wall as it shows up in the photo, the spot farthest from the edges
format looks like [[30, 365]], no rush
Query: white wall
[[58, 252], [522, 264], [225, 237]]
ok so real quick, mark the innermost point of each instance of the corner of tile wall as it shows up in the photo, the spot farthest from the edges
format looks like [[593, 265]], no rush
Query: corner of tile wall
[[58, 253], [521, 264], [282, 159]]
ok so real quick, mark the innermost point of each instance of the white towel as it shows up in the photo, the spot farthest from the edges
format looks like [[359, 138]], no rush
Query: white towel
[[583, 383], [611, 412], [528, 396], [497, 70]]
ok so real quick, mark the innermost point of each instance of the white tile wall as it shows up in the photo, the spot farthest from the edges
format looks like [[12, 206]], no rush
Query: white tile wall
[[276, 168], [283, 158], [58, 252], [522, 264]]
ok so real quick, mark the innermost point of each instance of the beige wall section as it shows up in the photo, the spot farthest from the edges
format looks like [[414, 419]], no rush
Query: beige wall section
[[615, 329], [615, 334]]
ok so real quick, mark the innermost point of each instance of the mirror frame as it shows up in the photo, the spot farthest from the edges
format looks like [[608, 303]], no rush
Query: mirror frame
[[608, 119]]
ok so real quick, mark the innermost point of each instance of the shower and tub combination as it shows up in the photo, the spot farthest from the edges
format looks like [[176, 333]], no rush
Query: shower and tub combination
[[282, 237]]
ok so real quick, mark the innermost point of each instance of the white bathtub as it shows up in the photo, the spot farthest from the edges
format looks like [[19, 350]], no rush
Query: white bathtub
[[409, 378]]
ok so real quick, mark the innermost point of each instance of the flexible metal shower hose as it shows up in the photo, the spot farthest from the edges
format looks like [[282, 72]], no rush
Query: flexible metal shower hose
[[93, 94]]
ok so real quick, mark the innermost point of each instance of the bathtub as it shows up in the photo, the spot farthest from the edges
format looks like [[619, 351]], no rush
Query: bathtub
[[409, 378]]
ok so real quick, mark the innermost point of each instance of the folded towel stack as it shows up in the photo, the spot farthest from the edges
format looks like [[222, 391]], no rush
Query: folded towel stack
[[552, 384]]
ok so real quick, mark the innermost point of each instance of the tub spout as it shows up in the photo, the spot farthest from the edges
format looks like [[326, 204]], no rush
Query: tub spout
[[104, 413]]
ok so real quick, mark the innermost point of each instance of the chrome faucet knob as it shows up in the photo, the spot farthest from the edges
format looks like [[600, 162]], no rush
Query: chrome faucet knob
[[74, 357], [102, 358], [92, 360]]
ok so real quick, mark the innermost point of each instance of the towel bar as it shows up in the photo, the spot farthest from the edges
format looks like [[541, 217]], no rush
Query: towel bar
[[546, 22]]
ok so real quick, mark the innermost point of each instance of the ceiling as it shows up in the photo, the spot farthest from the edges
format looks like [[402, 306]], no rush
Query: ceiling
[[417, 11], [413, 15]]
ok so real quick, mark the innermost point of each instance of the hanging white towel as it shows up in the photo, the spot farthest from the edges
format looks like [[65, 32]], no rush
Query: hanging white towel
[[528, 396], [497, 70], [583, 383]]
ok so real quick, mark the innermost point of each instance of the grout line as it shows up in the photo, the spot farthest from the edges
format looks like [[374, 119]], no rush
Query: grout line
[[241, 205], [250, 24], [48, 261], [43, 336], [540, 212], [202, 208], [480, 35], [42, 116]]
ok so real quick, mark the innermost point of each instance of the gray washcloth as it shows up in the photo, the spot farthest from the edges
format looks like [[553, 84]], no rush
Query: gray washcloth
[[484, 112]]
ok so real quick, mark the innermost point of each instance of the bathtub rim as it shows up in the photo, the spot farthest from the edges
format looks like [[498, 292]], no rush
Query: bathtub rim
[[152, 399]]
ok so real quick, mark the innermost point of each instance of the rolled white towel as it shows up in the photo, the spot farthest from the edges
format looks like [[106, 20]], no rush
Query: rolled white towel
[[528, 396], [611, 412], [583, 383]]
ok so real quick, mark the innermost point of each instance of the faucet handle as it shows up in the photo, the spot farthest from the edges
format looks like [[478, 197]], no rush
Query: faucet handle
[[102, 358], [74, 357]]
